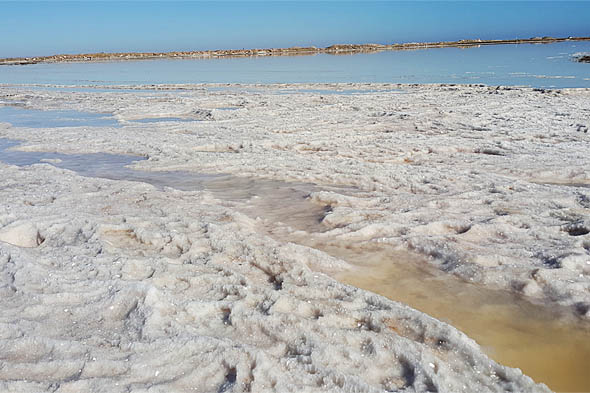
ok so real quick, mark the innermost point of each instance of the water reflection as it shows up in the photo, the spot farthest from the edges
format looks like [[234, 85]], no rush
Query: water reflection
[[282, 202], [31, 118], [542, 66], [546, 344]]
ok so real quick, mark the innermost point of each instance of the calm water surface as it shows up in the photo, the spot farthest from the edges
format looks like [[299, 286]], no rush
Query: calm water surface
[[537, 65], [21, 117]]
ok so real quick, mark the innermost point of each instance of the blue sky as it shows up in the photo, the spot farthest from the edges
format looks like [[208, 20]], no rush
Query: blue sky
[[50, 27]]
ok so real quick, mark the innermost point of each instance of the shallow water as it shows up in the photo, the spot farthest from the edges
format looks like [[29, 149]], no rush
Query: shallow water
[[537, 65], [25, 117], [264, 196], [110, 166], [542, 342], [88, 89]]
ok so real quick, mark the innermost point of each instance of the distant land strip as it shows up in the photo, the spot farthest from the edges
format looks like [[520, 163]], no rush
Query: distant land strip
[[338, 49]]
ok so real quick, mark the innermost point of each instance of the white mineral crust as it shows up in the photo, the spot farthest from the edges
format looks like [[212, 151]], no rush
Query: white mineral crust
[[122, 286]]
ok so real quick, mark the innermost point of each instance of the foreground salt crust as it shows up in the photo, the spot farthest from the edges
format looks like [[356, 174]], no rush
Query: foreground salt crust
[[119, 286], [139, 289], [491, 184]]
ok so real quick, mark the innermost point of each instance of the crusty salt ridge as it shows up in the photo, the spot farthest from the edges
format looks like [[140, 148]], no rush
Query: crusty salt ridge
[[490, 183], [138, 289]]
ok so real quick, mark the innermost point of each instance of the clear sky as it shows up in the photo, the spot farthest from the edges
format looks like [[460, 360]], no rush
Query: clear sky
[[50, 27]]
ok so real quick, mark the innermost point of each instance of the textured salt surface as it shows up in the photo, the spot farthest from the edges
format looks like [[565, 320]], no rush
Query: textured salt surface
[[135, 289], [161, 120], [515, 332], [450, 172], [263, 196]]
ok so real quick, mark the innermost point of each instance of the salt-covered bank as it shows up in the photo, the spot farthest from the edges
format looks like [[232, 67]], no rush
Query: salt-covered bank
[[111, 285]]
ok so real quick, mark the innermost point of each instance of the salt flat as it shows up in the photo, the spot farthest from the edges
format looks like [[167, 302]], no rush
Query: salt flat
[[111, 285]]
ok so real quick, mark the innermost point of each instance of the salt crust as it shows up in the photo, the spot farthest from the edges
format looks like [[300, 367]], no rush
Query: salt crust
[[490, 183], [139, 289], [119, 286]]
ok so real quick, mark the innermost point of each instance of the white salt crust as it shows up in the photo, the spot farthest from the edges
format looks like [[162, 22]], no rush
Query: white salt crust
[[121, 286]]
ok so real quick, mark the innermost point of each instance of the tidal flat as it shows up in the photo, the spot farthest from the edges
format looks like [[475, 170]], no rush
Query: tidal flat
[[207, 255]]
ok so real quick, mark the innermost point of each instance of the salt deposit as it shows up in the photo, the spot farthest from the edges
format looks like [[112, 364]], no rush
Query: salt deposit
[[124, 286]]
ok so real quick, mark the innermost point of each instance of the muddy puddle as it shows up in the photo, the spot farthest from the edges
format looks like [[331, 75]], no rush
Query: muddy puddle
[[547, 344]]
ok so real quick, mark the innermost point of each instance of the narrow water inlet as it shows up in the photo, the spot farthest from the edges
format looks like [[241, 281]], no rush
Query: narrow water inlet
[[542, 342]]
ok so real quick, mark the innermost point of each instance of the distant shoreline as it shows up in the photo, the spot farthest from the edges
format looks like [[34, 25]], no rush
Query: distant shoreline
[[338, 49]]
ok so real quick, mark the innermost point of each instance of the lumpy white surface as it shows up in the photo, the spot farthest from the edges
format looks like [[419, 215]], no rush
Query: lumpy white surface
[[121, 286]]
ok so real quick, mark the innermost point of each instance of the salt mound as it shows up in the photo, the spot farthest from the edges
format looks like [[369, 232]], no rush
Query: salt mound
[[22, 234]]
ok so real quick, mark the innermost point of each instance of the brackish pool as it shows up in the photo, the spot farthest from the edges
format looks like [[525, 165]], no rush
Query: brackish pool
[[542, 342]]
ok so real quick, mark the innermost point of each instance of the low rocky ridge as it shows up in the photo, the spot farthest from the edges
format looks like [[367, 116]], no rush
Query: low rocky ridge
[[293, 51]]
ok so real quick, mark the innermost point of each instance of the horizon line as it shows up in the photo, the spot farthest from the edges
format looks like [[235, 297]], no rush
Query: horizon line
[[335, 49]]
